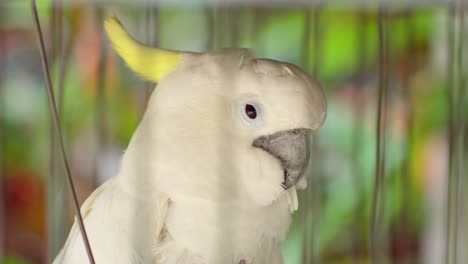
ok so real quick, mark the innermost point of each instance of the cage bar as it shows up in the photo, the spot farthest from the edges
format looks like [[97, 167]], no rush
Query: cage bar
[[2, 144], [56, 119], [456, 119], [224, 31], [379, 182]]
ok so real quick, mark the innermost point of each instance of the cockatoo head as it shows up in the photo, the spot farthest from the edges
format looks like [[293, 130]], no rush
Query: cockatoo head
[[223, 126]]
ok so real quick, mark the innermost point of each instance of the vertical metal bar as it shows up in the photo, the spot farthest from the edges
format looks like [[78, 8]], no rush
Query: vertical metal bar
[[315, 189], [361, 49], [151, 28], [455, 96], [218, 23], [234, 19], [377, 197], [409, 138], [53, 50], [459, 128], [53, 31], [316, 197], [2, 141], [305, 55], [150, 22], [460, 140], [54, 113], [63, 67], [386, 23], [51, 190], [56, 29], [215, 20], [56, 216], [317, 40], [450, 81], [210, 23], [100, 103], [258, 17], [224, 25], [221, 20]]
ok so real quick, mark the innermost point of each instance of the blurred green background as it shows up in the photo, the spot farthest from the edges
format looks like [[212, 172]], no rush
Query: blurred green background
[[101, 102]]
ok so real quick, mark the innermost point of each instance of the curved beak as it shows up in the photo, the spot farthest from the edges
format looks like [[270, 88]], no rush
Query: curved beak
[[291, 148]]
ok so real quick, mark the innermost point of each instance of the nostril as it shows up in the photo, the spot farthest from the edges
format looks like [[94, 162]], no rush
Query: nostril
[[296, 131]]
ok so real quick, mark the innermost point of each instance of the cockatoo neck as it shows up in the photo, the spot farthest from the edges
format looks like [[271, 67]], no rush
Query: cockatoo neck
[[158, 161], [218, 224]]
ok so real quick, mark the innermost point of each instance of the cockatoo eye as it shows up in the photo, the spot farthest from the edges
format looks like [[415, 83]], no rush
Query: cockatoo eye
[[250, 111]]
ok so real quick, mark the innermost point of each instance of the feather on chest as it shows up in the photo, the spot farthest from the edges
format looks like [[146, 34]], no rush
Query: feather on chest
[[220, 233]]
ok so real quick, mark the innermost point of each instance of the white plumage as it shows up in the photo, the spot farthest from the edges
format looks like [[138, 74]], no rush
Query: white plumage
[[192, 188]]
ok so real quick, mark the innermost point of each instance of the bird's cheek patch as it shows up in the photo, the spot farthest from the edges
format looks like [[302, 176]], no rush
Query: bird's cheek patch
[[265, 185]]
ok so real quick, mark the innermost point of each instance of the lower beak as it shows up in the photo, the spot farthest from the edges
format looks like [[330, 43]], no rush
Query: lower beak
[[291, 148]]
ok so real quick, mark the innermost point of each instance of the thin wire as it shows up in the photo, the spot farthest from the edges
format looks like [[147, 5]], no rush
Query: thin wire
[[210, 24], [451, 137], [455, 129], [57, 28], [55, 116], [62, 53], [53, 31], [55, 213], [316, 187], [305, 256], [386, 71], [65, 46], [218, 22], [306, 39], [2, 148], [64, 59], [377, 201], [409, 139], [151, 24], [461, 129], [234, 19], [317, 40], [100, 104], [52, 147], [358, 104], [258, 18], [450, 144]]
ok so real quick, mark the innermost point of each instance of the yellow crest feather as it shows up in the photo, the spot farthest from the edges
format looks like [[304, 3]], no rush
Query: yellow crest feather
[[151, 63]]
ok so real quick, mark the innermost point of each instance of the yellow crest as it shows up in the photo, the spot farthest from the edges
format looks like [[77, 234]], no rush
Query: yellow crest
[[151, 63]]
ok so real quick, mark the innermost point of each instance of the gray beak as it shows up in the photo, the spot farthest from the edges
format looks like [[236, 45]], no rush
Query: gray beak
[[291, 148]]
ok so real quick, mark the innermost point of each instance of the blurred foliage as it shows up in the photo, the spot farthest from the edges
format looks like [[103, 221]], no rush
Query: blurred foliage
[[16, 260], [339, 30], [273, 33]]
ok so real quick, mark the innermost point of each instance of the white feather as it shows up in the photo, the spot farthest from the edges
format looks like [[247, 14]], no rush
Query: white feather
[[191, 188]]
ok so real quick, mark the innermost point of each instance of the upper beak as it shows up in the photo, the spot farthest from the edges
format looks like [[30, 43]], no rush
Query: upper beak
[[291, 148]]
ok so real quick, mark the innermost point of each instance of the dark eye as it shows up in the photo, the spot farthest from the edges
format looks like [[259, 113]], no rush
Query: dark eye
[[250, 111]]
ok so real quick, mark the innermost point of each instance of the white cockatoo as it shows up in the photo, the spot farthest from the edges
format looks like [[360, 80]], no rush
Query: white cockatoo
[[210, 174]]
